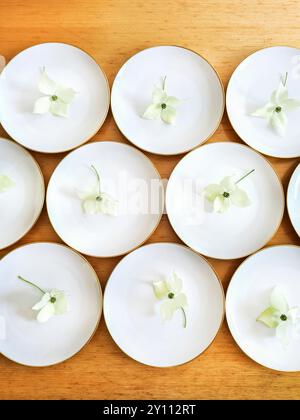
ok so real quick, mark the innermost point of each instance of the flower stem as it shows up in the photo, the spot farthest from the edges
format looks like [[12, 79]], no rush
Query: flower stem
[[164, 82], [31, 284], [98, 178], [284, 81], [243, 177], [184, 317]]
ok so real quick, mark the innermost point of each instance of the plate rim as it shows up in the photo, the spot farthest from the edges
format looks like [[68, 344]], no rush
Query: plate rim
[[288, 195], [229, 86], [100, 295], [189, 149], [223, 303], [281, 188], [285, 245], [159, 218], [107, 106], [43, 190]]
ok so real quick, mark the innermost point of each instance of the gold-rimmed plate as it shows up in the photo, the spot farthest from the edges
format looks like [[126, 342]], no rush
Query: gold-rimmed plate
[[130, 179], [239, 231], [248, 295], [22, 202], [50, 266], [293, 199], [189, 77], [132, 312], [250, 88], [69, 66]]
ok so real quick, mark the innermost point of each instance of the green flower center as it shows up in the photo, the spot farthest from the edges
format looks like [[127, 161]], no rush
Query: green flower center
[[53, 300], [163, 106], [283, 317], [278, 109], [226, 194], [171, 295], [98, 198], [54, 98]]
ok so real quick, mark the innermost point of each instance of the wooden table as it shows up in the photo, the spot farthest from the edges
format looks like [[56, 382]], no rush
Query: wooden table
[[225, 32]]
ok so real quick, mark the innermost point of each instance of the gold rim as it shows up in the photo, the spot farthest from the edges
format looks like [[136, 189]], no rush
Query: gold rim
[[282, 211], [159, 216], [203, 141], [100, 302], [287, 198], [105, 114], [43, 191], [229, 285], [228, 86], [223, 304]]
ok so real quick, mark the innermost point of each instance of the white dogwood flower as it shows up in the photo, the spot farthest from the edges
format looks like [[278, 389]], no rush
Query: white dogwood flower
[[57, 97], [227, 193], [275, 111], [163, 106], [95, 201], [280, 316], [52, 303], [170, 291]]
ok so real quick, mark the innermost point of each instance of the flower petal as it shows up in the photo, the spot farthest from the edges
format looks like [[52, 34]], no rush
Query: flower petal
[[278, 300], [46, 313], [175, 283], [45, 299], [264, 112], [42, 105], [153, 112], [212, 191], [228, 183], [292, 315], [270, 317], [240, 198], [172, 101], [280, 94], [46, 85], [5, 183], [161, 289], [59, 108], [107, 205], [84, 195], [90, 206], [168, 114], [284, 332], [181, 300], [278, 121], [159, 96], [167, 309], [61, 303], [221, 204], [290, 105], [65, 94]]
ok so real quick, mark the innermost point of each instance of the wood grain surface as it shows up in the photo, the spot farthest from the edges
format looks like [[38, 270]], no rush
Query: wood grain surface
[[224, 32]]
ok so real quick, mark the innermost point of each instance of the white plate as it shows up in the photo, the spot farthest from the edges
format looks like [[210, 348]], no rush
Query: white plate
[[127, 175], [249, 294], [250, 88], [131, 309], [21, 205], [69, 66], [239, 231], [189, 78], [293, 199], [50, 266]]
